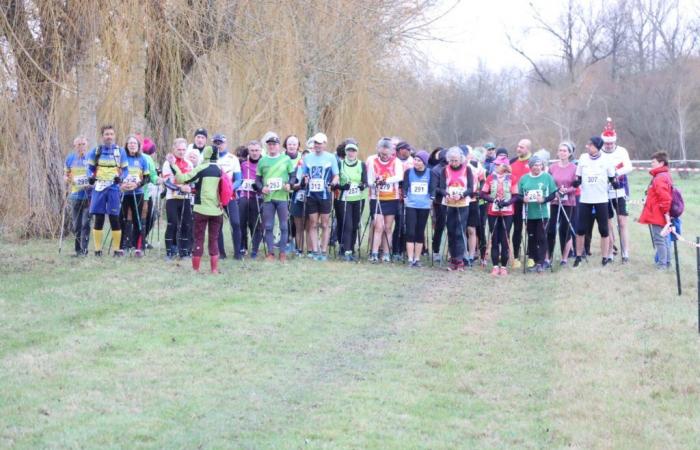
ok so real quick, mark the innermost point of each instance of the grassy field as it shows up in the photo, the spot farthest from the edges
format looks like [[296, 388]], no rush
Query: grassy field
[[145, 354]]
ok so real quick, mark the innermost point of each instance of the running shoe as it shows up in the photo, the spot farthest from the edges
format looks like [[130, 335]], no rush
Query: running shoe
[[577, 261], [496, 271], [374, 258], [386, 259], [504, 271]]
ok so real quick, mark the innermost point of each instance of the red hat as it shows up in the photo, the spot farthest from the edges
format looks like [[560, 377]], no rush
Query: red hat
[[609, 134]]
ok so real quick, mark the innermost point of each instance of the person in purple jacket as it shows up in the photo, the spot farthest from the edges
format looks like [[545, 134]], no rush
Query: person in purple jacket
[[249, 201], [564, 173]]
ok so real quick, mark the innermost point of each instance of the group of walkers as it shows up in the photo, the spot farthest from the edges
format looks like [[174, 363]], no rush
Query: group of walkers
[[309, 200]]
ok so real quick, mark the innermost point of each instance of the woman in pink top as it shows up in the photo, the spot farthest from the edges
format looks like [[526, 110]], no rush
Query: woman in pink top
[[562, 207]]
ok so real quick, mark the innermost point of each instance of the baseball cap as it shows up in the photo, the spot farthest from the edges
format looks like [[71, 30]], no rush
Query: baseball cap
[[218, 138], [320, 138]]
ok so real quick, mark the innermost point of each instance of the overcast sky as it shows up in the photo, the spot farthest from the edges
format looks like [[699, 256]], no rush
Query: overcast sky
[[476, 30]]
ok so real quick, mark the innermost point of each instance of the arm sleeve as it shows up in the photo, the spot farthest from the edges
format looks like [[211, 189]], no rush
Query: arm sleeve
[[663, 190], [363, 177], [370, 174], [237, 180], [398, 170], [191, 177], [625, 165], [406, 183], [258, 183], [441, 185]]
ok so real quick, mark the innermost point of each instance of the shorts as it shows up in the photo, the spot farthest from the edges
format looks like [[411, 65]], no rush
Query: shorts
[[107, 202], [474, 214], [296, 209], [386, 207], [318, 205], [620, 207]]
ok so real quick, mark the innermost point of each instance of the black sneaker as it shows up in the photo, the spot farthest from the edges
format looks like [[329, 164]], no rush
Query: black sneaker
[[606, 261], [625, 260], [577, 261], [118, 253], [98, 253]]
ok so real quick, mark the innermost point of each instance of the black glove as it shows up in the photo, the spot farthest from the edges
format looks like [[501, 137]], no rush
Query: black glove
[[91, 181], [615, 184], [345, 187], [500, 204], [362, 186], [117, 179]]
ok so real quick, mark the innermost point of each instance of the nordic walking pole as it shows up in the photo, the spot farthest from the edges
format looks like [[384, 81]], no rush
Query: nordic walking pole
[[697, 262], [63, 221], [527, 236], [430, 239], [678, 268]]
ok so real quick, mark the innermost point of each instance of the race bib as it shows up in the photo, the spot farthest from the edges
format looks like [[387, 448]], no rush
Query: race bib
[[101, 185], [386, 188], [300, 196], [274, 184], [132, 179], [247, 185], [316, 185], [80, 181], [592, 176], [455, 190], [419, 188], [534, 194], [354, 189], [496, 208]]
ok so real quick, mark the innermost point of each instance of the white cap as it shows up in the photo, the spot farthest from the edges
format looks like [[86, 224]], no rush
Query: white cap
[[320, 138]]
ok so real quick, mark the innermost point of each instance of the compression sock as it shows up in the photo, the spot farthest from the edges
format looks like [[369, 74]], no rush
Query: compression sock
[[97, 239], [117, 239]]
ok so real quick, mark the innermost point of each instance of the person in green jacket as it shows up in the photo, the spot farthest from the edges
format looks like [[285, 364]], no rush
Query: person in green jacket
[[353, 182], [150, 190], [207, 206], [537, 189]]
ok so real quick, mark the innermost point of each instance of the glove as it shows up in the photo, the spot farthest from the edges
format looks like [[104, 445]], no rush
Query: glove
[[91, 181], [117, 179], [345, 187], [615, 184], [362, 186], [500, 204]]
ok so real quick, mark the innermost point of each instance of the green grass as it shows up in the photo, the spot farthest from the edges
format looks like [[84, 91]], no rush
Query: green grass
[[144, 354]]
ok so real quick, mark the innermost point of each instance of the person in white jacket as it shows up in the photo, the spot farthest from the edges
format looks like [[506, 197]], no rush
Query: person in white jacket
[[620, 160]]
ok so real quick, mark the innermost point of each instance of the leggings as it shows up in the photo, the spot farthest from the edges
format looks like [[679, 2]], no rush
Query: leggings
[[415, 225], [234, 219], [131, 220], [564, 228], [100, 222], [537, 239], [517, 228], [481, 230], [249, 212], [201, 223], [587, 216], [268, 214], [179, 212], [339, 207], [398, 237], [500, 229], [456, 234], [351, 224], [439, 219]]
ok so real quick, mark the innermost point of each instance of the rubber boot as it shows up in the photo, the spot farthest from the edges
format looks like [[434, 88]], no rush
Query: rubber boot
[[196, 260], [214, 261]]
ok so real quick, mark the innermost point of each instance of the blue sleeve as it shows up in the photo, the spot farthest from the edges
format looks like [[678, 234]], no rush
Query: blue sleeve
[[237, 180], [334, 167], [302, 170], [124, 163], [90, 163], [69, 161]]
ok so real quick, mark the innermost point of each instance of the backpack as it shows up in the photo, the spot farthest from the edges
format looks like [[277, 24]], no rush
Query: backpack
[[677, 203], [225, 189]]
